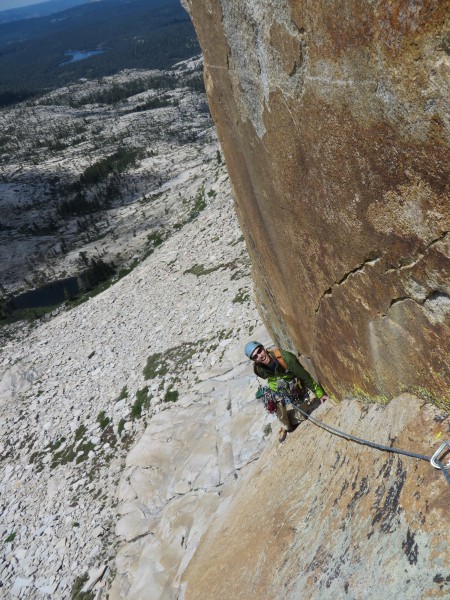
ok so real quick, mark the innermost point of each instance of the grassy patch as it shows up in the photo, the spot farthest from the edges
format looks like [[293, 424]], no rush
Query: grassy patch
[[119, 92], [199, 204], [238, 241], [155, 239], [241, 297], [367, 398], [77, 451], [173, 359], [155, 366], [76, 593], [121, 426], [171, 395], [224, 334], [142, 401], [155, 102], [79, 433], [108, 435], [123, 394], [126, 441], [26, 314], [103, 420], [443, 403], [199, 270]]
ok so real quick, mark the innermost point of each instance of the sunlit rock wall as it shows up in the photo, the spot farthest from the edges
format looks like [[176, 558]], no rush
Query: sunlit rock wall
[[334, 125], [321, 518]]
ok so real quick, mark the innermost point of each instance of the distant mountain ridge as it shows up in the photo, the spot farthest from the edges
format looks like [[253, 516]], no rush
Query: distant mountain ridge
[[39, 10]]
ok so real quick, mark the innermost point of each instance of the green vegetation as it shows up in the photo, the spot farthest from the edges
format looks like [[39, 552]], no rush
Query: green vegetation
[[199, 204], [156, 102], [196, 83], [241, 297], [118, 162], [171, 395], [197, 207], [199, 270], [154, 240], [76, 593], [103, 420], [121, 426], [11, 537], [61, 137], [80, 205], [136, 34], [24, 314], [96, 279], [238, 241], [155, 366], [142, 402], [123, 394], [95, 190], [77, 451], [108, 436], [367, 398], [121, 91], [173, 359], [443, 402]]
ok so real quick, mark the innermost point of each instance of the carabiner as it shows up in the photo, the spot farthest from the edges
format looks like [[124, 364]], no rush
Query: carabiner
[[436, 455]]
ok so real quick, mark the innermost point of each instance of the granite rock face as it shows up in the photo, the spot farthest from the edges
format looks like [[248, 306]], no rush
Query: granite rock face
[[333, 120], [320, 517]]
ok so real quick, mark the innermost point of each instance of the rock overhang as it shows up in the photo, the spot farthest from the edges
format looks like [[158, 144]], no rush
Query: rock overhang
[[334, 126]]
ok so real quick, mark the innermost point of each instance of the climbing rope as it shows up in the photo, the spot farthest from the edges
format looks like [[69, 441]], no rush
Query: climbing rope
[[434, 460]]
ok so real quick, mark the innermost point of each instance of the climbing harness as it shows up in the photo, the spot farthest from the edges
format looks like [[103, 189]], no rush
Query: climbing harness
[[434, 460], [287, 392]]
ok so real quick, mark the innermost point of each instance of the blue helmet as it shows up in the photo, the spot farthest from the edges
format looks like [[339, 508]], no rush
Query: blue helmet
[[250, 347]]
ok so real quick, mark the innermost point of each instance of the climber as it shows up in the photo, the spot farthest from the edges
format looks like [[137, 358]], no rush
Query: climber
[[282, 369]]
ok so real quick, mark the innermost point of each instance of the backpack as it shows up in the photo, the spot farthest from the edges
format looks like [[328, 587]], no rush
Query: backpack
[[279, 358]]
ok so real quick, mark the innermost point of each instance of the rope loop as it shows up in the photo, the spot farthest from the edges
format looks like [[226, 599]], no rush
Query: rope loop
[[348, 436]]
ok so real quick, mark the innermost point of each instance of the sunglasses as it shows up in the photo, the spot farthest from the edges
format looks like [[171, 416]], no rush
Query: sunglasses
[[257, 352]]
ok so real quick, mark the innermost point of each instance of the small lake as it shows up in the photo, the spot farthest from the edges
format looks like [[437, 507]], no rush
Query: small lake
[[77, 55], [48, 295]]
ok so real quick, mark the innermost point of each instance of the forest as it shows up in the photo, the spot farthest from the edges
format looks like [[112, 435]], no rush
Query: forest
[[140, 34]]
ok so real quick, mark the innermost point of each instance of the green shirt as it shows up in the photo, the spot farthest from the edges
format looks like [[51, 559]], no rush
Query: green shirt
[[295, 369]]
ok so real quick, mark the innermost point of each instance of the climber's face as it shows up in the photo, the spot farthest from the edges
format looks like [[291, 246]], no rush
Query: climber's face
[[260, 355]]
